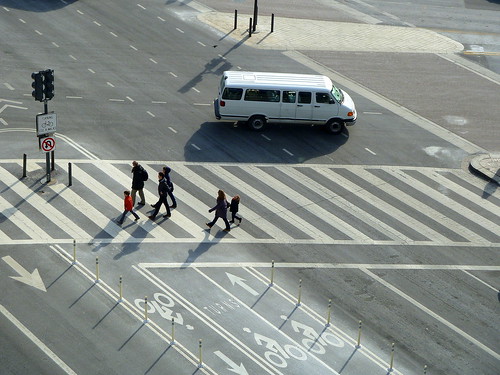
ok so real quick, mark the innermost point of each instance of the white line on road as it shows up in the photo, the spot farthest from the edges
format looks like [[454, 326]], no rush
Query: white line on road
[[152, 60], [91, 71], [172, 129], [112, 33], [265, 137], [158, 102], [222, 57], [73, 57], [38, 32], [129, 98], [172, 74], [288, 152], [161, 19], [6, 9], [116, 100], [151, 114], [202, 44], [370, 151], [196, 147], [432, 314], [131, 46], [372, 113], [97, 23], [140, 6], [55, 44], [3, 122], [206, 104], [36, 341], [195, 89], [179, 30], [73, 97], [79, 11], [23, 21], [110, 84], [9, 86], [481, 281]]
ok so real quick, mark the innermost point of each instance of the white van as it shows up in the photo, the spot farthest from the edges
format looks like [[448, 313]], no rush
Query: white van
[[259, 98]]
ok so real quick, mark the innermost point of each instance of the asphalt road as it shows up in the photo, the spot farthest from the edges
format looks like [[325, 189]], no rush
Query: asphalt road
[[385, 220]]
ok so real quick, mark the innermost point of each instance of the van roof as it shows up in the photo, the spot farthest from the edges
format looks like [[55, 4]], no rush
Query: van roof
[[276, 80]]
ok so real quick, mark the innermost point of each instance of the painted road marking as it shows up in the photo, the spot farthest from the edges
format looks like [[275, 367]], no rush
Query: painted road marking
[[29, 278], [58, 361]]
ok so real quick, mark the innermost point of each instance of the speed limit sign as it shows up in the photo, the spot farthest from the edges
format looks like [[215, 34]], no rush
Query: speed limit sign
[[47, 144]]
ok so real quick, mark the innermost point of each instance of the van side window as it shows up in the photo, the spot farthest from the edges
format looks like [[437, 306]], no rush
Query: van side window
[[305, 97], [256, 95], [289, 96], [232, 94], [322, 97]]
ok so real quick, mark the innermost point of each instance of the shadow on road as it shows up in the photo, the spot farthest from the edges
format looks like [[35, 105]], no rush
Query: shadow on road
[[36, 6]]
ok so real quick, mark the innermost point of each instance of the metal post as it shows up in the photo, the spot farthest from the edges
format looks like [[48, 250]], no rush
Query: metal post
[[255, 12], [96, 269], [392, 357], [121, 289], [146, 309], [47, 162], [272, 22], [329, 312], [272, 273], [425, 369], [70, 174], [250, 28], [201, 359], [74, 251], [359, 334], [52, 160], [173, 333], [235, 19], [300, 292], [24, 164]]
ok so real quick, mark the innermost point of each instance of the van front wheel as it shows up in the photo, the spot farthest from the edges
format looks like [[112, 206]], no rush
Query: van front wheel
[[334, 126], [257, 123]]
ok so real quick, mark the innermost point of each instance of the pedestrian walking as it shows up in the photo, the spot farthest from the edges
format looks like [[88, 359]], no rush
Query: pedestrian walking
[[166, 172], [139, 175], [220, 211], [233, 208], [129, 207], [162, 192]]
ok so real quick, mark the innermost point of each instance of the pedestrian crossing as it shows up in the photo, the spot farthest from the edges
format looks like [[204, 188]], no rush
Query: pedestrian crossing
[[296, 204]]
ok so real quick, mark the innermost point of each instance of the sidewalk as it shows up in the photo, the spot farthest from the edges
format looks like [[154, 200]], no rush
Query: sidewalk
[[487, 165], [304, 34]]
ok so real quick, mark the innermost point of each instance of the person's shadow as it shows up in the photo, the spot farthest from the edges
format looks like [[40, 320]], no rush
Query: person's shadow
[[491, 186], [203, 247]]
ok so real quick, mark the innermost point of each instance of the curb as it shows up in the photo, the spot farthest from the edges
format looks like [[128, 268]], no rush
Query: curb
[[487, 166]]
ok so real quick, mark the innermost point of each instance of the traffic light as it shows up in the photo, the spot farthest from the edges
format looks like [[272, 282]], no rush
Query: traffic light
[[48, 82], [38, 86]]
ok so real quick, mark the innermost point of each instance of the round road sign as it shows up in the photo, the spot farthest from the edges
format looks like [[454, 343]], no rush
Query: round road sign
[[48, 144]]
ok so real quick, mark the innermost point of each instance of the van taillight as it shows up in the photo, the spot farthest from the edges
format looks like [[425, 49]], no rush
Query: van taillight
[[222, 103]]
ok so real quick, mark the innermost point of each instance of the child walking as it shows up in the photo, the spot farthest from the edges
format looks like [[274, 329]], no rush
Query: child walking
[[233, 208], [129, 207]]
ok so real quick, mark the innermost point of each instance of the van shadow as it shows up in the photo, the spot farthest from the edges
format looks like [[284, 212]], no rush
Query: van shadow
[[232, 142], [36, 6]]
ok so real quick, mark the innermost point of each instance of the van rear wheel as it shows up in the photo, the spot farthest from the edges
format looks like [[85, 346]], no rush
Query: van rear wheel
[[334, 126], [257, 123]]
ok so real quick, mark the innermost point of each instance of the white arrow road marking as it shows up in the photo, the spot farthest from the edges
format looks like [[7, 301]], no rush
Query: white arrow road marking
[[9, 105], [240, 281], [10, 101], [32, 279], [234, 367]]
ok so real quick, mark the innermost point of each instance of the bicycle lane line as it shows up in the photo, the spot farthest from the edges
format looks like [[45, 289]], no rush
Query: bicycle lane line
[[130, 308], [318, 318], [204, 318]]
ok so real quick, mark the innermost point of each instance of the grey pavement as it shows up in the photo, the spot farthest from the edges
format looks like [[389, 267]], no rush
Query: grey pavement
[[302, 34]]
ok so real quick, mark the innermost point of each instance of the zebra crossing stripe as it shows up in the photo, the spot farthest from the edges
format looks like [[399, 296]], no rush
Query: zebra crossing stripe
[[44, 207], [484, 204], [382, 205], [20, 220], [343, 203], [250, 215], [421, 207], [309, 205], [286, 215], [446, 201], [116, 200]]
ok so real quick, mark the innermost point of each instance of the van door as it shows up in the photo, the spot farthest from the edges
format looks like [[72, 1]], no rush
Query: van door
[[304, 106], [288, 105], [325, 107]]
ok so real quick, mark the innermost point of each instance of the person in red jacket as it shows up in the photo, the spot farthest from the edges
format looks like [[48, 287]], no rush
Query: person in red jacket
[[129, 207]]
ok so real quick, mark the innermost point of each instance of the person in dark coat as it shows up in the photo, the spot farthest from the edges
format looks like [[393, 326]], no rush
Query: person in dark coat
[[220, 211], [162, 192], [233, 208], [166, 172], [137, 183]]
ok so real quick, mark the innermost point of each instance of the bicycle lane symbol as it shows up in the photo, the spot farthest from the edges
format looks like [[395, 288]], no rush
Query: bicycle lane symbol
[[162, 304]]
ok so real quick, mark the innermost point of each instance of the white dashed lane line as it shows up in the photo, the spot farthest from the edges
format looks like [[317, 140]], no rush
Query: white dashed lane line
[[161, 19], [97, 23], [112, 33], [195, 89], [9, 86], [156, 102], [179, 30], [79, 11], [172, 74], [129, 98], [110, 84], [23, 21], [38, 32], [265, 137], [140, 6], [131, 46], [288, 152], [172, 129], [152, 60], [55, 44], [196, 147], [370, 151], [202, 44], [202, 104], [151, 114], [91, 71], [116, 100], [73, 57], [73, 97]]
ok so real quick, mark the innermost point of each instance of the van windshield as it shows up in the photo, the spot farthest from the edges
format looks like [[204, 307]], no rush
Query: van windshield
[[337, 94]]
